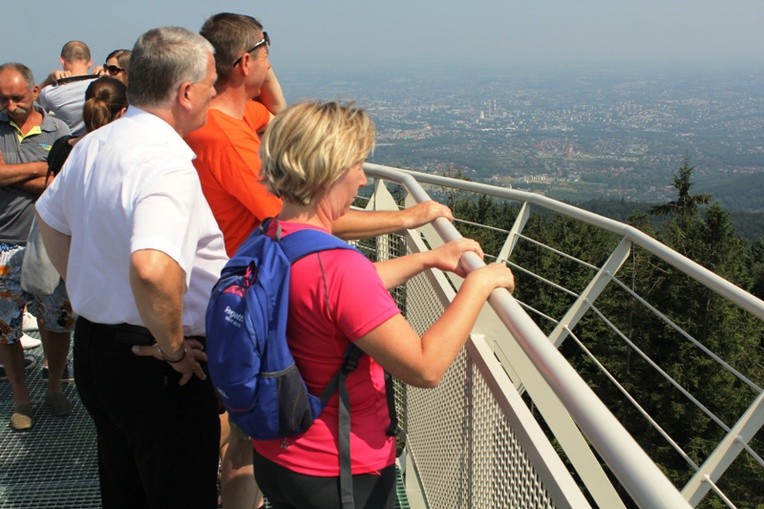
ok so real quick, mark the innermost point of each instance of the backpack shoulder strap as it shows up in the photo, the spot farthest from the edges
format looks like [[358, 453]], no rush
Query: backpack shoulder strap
[[304, 242], [346, 474]]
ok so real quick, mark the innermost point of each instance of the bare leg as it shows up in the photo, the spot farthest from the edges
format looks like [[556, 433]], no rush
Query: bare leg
[[56, 347], [237, 479], [12, 357]]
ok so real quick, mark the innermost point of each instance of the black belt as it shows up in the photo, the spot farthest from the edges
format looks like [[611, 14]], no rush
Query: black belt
[[127, 333]]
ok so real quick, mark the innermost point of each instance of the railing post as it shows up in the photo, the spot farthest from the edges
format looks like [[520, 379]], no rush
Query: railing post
[[726, 452], [591, 292], [517, 228]]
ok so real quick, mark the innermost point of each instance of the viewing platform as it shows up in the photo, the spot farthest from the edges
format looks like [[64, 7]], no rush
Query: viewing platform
[[566, 395]]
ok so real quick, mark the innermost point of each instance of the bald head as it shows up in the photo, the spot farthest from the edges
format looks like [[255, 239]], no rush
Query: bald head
[[75, 57]]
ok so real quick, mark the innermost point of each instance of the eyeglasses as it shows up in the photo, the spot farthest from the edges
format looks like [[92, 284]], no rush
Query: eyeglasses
[[265, 40], [113, 70]]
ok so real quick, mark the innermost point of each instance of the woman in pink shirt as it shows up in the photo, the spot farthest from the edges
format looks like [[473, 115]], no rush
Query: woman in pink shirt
[[313, 155]]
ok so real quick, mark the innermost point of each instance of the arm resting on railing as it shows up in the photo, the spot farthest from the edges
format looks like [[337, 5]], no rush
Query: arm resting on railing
[[397, 271], [361, 224], [422, 362]]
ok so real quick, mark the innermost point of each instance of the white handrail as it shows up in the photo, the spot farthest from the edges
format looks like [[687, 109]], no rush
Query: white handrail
[[635, 470], [696, 271]]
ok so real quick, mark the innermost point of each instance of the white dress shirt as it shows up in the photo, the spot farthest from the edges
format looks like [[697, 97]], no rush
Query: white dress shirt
[[127, 186]]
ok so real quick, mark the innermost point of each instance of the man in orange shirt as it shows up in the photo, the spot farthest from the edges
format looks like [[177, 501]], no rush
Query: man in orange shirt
[[227, 146], [228, 164]]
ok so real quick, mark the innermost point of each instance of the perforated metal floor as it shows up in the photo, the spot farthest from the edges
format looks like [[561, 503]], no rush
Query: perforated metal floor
[[53, 465]]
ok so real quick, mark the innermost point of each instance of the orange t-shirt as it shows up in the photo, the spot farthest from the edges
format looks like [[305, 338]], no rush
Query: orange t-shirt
[[228, 164]]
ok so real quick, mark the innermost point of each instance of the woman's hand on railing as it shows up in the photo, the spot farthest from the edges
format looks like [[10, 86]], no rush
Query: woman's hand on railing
[[448, 256], [492, 276], [424, 213]]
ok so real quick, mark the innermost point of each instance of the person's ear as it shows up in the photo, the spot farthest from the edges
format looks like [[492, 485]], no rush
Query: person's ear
[[244, 64], [184, 95]]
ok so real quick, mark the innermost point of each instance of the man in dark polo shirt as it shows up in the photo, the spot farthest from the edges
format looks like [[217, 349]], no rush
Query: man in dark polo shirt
[[26, 135]]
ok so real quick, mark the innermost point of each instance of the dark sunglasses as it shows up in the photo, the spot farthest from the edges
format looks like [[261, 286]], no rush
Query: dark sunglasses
[[113, 70], [265, 40]]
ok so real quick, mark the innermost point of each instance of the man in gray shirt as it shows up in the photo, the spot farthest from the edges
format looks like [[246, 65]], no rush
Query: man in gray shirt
[[63, 92]]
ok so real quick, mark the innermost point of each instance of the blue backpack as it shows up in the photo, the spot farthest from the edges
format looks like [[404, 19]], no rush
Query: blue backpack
[[248, 356]]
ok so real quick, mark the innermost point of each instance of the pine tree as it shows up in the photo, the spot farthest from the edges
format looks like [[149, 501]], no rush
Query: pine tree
[[686, 205]]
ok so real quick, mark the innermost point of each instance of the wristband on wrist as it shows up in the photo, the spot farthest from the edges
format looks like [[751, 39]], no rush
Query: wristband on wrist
[[182, 356]]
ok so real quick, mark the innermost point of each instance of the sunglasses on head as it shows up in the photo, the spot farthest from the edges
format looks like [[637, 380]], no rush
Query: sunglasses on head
[[113, 70], [265, 40]]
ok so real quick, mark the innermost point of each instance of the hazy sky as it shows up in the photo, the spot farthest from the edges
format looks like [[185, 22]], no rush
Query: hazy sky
[[340, 35]]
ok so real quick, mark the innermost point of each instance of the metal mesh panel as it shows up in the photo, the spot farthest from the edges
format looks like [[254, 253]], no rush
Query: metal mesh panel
[[503, 475], [464, 450]]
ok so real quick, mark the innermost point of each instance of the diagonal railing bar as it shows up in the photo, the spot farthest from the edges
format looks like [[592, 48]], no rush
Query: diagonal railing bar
[[727, 450], [593, 290], [632, 400], [517, 228]]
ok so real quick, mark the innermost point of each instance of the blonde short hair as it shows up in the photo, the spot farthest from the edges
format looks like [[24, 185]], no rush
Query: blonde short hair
[[308, 147]]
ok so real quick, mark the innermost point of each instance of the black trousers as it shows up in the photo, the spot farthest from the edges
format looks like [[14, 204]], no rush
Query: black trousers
[[285, 489], [157, 441]]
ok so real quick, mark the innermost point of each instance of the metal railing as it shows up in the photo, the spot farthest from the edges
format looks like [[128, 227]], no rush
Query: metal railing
[[513, 424]]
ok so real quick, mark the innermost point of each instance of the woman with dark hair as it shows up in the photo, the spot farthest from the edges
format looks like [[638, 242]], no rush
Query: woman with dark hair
[[105, 101], [118, 64]]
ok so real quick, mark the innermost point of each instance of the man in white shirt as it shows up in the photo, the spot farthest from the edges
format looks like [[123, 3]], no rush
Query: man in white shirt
[[140, 251]]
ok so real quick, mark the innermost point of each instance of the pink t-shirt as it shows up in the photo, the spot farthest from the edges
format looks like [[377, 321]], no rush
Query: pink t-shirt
[[318, 336]]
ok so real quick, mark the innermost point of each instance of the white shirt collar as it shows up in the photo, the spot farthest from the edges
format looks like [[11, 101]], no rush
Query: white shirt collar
[[163, 130]]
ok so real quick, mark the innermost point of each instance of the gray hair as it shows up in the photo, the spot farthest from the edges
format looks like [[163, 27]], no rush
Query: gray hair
[[23, 70], [162, 59]]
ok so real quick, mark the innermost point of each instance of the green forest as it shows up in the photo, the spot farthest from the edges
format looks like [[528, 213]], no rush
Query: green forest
[[697, 227]]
